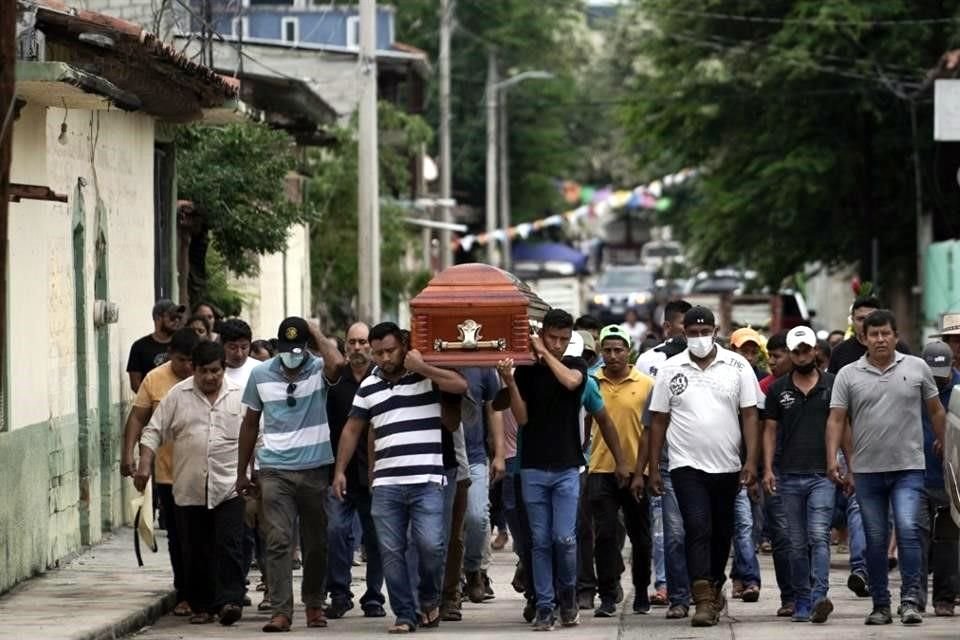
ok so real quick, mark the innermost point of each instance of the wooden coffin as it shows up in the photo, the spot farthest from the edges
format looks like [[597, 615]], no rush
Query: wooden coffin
[[474, 315]]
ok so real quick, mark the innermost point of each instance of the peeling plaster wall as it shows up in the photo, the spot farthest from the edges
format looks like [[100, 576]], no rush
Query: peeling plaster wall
[[61, 458]]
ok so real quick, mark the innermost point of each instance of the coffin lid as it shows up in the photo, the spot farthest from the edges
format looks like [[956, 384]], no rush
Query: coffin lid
[[480, 283]]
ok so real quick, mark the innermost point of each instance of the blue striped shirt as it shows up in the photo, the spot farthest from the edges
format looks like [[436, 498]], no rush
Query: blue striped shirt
[[296, 437], [405, 416]]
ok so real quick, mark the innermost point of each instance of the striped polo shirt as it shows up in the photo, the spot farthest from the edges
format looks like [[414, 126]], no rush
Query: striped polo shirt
[[405, 416], [296, 437]]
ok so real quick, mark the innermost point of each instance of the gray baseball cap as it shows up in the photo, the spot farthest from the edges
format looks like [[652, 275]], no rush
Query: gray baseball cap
[[939, 357]]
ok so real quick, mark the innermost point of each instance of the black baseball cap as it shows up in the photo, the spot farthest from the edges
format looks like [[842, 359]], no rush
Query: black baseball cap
[[163, 306], [293, 334], [699, 315]]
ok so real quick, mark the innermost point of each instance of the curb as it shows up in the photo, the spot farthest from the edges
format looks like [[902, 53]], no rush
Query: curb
[[133, 622]]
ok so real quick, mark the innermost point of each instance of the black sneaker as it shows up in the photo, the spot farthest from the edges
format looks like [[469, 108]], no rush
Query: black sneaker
[[607, 609], [529, 611], [487, 589], [372, 610], [879, 615], [858, 584], [544, 620], [641, 602], [338, 608], [585, 600]]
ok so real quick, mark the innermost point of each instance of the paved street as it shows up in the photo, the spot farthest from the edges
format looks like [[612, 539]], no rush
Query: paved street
[[103, 594], [501, 618]]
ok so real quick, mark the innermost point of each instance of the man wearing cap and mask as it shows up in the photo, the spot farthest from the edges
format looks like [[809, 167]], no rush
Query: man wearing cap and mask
[[290, 393], [700, 397], [150, 351], [939, 538], [796, 411]]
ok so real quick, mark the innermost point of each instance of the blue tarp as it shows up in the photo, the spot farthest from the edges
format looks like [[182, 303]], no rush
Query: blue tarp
[[548, 252]]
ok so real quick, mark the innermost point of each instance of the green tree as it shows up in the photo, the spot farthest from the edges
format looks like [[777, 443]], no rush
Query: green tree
[[331, 197], [545, 116], [235, 176], [799, 111]]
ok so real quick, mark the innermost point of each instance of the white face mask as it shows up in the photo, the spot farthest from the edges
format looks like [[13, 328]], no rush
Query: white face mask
[[700, 347], [292, 360]]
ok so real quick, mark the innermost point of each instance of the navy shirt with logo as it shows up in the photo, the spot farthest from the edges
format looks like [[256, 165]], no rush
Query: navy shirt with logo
[[801, 423]]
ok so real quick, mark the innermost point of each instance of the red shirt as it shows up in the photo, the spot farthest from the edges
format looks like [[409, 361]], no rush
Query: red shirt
[[767, 382]]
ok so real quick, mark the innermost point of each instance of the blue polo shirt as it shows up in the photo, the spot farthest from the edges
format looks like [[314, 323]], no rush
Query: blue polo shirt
[[297, 437]]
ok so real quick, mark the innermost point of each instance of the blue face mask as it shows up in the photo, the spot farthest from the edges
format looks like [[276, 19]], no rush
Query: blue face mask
[[293, 360]]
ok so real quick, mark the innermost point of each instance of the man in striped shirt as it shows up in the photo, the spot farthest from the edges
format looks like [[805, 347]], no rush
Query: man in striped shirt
[[401, 399], [290, 393]]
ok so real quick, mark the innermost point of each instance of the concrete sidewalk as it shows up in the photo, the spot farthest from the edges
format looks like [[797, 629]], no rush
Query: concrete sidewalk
[[100, 594]]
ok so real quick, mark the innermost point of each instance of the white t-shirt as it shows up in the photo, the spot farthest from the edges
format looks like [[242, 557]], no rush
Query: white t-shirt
[[704, 407], [650, 361], [241, 374], [637, 332]]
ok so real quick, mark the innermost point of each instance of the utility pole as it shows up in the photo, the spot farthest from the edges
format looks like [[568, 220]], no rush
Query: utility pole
[[368, 195], [8, 98], [446, 28], [503, 144], [491, 206]]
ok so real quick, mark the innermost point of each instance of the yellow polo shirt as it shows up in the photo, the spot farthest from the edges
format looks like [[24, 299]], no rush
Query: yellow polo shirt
[[624, 402], [154, 387]]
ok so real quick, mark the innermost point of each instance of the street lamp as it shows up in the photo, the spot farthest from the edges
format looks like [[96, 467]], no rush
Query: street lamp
[[495, 104]]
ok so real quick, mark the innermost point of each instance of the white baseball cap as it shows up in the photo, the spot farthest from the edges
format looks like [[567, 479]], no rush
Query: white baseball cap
[[801, 335], [575, 348]]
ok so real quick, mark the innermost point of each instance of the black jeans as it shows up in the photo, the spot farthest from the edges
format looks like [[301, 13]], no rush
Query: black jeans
[[213, 554], [586, 573], [606, 500], [169, 508], [939, 543], [706, 502]]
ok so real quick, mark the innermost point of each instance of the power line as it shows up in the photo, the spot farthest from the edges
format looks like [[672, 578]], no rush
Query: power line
[[807, 21]]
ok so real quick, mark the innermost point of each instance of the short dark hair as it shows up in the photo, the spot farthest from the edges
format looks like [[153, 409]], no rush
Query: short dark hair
[[234, 329], [777, 341], [871, 302], [587, 323], [207, 352], [557, 319], [836, 332], [183, 341], [196, 318], [675, 308], [264, 345], [825, 349], [880, 318], [384, 329]]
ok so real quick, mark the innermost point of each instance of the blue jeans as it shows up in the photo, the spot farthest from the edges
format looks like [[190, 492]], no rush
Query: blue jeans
[[656, 526], [674, 549], [417, 509], [341, 541], [775, 518], [808, 501], [877, 492], [746, 566], [552, 499], [476, 523]]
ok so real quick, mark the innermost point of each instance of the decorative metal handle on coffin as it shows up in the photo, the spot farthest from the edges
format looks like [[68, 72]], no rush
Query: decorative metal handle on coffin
[[470, 339]]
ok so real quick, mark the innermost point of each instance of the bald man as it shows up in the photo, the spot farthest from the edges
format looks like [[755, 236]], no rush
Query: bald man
[[340, 539]]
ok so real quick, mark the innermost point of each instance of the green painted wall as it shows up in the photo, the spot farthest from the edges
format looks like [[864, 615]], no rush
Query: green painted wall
[[40, 517]]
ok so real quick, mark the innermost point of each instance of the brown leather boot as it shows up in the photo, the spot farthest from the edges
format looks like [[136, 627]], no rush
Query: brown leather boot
[[704, 599]]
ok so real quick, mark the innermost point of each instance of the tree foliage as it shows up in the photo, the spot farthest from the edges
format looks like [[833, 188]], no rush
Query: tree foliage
[[799, 111], [331, 197], [545, 116], [235, 176]]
